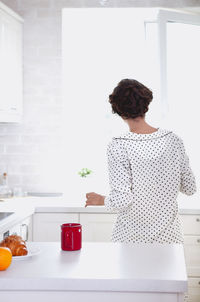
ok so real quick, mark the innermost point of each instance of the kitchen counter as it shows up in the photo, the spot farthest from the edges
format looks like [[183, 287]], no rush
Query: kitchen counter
[[187, 205], [21, 209], [100, 272], [26, 206]]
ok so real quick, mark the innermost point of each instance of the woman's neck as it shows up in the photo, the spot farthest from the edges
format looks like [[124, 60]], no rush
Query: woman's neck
[[140, 126]]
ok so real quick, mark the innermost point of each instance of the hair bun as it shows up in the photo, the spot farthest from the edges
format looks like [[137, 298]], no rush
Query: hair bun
[[130, 98]]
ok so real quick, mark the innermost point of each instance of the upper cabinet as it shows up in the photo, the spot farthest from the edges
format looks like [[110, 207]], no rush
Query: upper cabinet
[[11, 75]]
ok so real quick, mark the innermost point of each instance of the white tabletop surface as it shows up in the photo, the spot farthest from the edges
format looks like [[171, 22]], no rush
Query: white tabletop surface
[[100, 266], [186, 205], [26, 206]]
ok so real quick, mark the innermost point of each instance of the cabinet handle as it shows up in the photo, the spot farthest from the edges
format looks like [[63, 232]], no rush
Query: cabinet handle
[[198, 219], [198, 240], [26, 226], [6, 234], [199, 282]]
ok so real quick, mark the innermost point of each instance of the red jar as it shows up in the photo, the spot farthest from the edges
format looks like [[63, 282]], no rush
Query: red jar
[[71, 236]]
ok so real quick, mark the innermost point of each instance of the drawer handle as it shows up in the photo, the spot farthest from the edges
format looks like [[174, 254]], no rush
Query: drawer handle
[[198, 219], [26, 226]]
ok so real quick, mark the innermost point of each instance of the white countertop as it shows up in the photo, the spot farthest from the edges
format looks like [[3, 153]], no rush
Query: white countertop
[[21, 208], [100, 266], [26, 206], [187, 205]]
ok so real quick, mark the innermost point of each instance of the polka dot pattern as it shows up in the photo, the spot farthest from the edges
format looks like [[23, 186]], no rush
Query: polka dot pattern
[[146, 173]]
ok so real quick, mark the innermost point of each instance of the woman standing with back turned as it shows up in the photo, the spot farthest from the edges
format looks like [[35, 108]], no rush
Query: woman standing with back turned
[[147, 168]]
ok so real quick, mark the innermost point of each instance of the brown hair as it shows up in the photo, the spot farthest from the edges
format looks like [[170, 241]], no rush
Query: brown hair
[[130, 99]]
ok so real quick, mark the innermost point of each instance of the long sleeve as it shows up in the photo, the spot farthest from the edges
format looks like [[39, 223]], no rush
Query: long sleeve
[[188, 183], [120, 178]]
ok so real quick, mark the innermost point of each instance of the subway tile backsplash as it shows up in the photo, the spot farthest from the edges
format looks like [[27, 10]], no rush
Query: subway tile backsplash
[[29, 151]]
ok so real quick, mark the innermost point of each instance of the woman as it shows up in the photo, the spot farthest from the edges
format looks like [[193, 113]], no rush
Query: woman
[[147, 169]]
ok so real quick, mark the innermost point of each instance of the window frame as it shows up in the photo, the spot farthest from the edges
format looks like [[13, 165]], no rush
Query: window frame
[[163, 17]]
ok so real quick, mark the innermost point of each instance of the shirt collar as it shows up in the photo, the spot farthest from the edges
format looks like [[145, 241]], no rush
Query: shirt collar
[[135, 136]]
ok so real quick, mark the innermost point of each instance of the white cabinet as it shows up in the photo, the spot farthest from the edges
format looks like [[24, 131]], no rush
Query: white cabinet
[[190, 224], [192, 254], [27, 229], [10, 65], [191, 229], [97, 227], [23, 229], [193, 290], [46, 226], [15, 230]]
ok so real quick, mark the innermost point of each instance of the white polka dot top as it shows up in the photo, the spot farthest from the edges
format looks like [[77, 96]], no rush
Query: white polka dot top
[[146, 173]]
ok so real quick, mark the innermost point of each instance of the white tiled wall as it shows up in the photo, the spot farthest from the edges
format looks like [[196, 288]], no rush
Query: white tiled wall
[[30, 151]]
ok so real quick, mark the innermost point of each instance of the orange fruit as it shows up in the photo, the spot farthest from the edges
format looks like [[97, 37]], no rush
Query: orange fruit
[[5, 258]]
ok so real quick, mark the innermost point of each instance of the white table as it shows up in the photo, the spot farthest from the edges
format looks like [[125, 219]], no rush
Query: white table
[[98, 272]]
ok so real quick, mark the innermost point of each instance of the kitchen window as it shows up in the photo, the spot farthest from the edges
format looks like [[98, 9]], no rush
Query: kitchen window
[[101, 46]]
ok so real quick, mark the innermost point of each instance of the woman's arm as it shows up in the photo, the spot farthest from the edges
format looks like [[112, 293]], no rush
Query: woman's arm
[[188, 183], [120, 178]]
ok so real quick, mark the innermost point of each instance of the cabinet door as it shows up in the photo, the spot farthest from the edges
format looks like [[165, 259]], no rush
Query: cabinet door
[[193, 294], [46, 226], [97, 227], [192, 255], [11, 68], [15, 230], [190, 224], [23, 229], [26, 229]]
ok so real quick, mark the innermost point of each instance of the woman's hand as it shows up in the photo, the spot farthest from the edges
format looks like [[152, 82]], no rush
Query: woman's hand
[[94, 199]]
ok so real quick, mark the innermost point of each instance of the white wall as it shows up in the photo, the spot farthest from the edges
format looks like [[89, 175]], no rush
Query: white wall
[[29, 151]]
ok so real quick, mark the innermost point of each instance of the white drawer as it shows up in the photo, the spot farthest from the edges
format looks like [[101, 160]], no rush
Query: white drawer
[[190, 224], [192, 255], [193, 294]]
